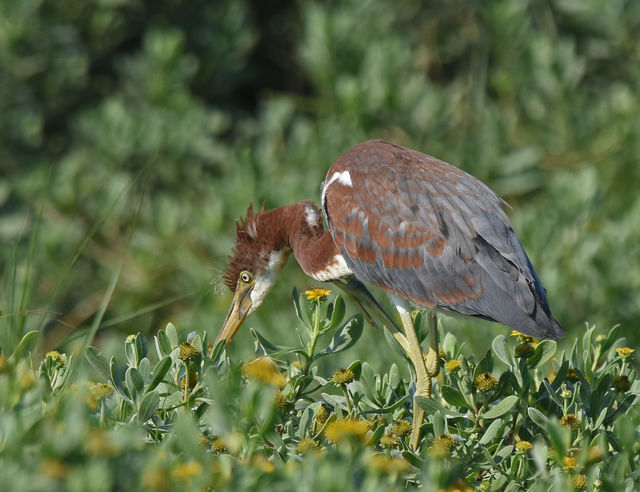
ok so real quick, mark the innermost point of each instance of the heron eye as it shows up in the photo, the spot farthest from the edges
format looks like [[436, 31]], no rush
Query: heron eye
[[245, 276]]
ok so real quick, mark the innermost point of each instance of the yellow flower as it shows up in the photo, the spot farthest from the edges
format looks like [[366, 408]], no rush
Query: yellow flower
[[343, 376], [625, 352], [217, 446], [621, 383], [280, 401], [321, 415], [388, 441], [186, 472], [485, 381], [571, 420], [579, 481], [317, 294], [264, 370], [572, 375], [55, 469], [523, 446], [401, 428], [307, 444], [525, 338], [341, 430], [524, 350], [261, 463], [188, 351], [388, 466], [100, 391], [56, 356], [566, 394], [453, 365], [441, 447], [98, 443], [569, 463], [155, 478]]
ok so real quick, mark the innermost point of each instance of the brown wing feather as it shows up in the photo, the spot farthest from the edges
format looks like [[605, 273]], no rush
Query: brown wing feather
[[419, 227]]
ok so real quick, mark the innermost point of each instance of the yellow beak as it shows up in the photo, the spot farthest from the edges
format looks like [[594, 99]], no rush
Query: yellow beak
[[237, 313]]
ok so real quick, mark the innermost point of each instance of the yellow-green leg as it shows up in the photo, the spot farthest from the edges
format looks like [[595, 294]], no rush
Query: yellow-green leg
[[426, 365]]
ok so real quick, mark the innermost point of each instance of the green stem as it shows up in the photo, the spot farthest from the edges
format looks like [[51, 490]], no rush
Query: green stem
[[314, 333], [186, 385], [347, 399]]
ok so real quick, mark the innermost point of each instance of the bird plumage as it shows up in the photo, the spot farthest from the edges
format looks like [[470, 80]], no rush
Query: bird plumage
[[410, 224], [419, 227]]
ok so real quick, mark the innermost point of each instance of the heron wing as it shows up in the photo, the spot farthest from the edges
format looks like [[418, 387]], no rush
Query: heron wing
[[419, 227]]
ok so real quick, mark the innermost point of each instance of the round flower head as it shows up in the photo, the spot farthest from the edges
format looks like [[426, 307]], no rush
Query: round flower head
[[569, 463], [523, 446], [317, 294], [441, 447], [579, 481], [571, 420], [621, 383], [485, 381], [321, 415], [188, 352], [343, 376], [341, 430], [625, 352], [388, 441], [452, 365], [307, 444], [401, 428], [524, 350], [264, 370], [280, 401]]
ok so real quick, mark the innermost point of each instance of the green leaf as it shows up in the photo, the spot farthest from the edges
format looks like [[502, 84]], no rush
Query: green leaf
[[505, 405], [98, 362], [159, 372], [266, 345], [431, 406], [345, 337], [337, 315], [454, 397], [356, 368], [492, 432], [117, 380], [163, 344], [498, 346], [172, 334], [439, 422], [538, 418], [148, 406], [543, 352], [25, 346], [134, 381]]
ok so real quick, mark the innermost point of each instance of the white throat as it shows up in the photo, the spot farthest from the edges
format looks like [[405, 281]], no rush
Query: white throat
[[264, 282]]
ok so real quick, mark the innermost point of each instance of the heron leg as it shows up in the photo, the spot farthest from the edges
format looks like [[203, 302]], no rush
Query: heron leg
[[371, 309], [423, 377]]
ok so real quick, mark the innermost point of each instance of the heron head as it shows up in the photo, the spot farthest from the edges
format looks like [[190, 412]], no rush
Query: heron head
[[259, 255]]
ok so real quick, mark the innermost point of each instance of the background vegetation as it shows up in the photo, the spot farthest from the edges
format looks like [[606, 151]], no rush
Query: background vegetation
[[134, 133]]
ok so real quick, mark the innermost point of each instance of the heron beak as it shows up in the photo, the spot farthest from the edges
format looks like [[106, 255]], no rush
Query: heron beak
[[237, 313]]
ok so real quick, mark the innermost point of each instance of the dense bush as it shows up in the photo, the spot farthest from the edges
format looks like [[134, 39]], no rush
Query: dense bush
[[178, 414], [134, 133]]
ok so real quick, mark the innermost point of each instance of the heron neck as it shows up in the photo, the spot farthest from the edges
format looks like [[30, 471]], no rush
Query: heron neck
[[301, 228]]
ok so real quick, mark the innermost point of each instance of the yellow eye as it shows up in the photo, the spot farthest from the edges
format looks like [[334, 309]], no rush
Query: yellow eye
[[245, 277]]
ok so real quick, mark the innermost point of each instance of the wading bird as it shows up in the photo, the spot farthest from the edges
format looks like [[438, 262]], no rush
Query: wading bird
[[417, 227]]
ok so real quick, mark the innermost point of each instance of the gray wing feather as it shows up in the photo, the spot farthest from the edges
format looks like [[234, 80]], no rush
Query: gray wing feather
[[480, 270]]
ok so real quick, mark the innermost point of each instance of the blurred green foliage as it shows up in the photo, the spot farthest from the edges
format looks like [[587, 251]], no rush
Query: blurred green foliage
[[134, 133], [177, 414]]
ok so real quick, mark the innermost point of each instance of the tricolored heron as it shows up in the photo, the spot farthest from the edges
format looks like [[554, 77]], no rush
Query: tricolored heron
[[417, 227]]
